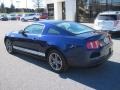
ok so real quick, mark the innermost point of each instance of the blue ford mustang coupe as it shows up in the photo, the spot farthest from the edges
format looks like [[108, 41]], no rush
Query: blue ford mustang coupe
[[62, 43]]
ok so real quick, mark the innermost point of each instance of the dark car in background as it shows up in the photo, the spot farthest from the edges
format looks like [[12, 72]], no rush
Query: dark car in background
[[3, 18], [44, 16], [62, 43]]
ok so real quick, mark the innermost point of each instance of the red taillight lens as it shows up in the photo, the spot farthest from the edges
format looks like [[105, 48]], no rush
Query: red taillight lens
[[93, 44]]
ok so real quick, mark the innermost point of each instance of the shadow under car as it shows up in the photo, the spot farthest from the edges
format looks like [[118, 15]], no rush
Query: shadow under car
[[104, 77]]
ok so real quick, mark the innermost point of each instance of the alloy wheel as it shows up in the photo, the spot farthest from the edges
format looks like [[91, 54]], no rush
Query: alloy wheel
[[55, 61], [9, 46]]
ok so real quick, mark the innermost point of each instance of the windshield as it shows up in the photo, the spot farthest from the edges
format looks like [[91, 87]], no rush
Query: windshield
[[74, 27]]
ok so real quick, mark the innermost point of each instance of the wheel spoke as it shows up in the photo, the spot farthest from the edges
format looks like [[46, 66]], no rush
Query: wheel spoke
[[52, 57], [57, 66], [59, 62], [51, 64], [56, 56]]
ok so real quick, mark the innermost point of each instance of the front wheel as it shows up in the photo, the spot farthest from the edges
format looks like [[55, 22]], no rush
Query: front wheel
[[35, 19], [23, 20], [9, 46], [57, 61]]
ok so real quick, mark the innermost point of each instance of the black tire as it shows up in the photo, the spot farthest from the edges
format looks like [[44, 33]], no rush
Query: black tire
[[35, 19], [9, 46], [23, 20], [62, 66]]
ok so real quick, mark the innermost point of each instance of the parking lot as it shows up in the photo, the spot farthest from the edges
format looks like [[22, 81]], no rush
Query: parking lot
[[22, 72]]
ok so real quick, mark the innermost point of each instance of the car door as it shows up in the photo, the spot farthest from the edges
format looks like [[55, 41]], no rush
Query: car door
[[29, 41], [27, 16], [31, 16]]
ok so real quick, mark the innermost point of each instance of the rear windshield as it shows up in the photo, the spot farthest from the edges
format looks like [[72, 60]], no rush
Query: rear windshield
[[74, 28], [107, 17]]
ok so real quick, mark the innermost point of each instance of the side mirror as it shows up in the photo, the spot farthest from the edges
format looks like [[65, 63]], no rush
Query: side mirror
[[21, 32]]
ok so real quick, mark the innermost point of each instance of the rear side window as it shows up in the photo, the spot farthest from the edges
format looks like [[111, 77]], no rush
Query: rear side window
[[12, 15], [53, 31], [31, 14], [107, 17]]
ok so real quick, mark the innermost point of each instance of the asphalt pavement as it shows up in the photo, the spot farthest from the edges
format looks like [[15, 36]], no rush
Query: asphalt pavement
[[23, 72]]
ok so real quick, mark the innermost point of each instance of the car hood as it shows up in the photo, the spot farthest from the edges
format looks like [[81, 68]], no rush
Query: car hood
[[11, 33]]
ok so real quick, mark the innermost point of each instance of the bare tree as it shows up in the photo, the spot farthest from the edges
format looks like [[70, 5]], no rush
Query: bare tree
[[37, 3]]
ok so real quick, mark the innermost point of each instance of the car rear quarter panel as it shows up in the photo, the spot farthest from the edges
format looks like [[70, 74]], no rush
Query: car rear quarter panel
[[62, 43]]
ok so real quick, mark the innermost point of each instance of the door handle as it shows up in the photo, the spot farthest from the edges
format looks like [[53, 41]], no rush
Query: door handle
[[35, 39]]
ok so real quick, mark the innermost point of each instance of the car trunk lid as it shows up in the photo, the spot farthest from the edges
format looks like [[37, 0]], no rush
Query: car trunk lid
[[102, 37]]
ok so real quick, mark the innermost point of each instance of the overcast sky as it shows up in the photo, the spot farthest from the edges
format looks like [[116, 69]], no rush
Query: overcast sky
[[19, 3]]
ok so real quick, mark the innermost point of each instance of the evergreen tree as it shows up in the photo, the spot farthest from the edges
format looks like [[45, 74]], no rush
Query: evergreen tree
[[2, 8], [12, 8]]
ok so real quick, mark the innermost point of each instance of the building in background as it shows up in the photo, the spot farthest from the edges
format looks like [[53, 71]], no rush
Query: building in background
[[79, 10], [61, 9], [87, 10]]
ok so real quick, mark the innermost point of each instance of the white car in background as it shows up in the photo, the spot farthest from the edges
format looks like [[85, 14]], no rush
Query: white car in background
[[108, 21], [11, 16], [31, 16]]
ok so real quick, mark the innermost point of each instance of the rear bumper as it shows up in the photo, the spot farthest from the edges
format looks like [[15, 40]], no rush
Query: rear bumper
[[86, 58]]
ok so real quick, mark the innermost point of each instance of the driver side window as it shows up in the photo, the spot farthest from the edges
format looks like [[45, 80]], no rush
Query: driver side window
[[34, 29]]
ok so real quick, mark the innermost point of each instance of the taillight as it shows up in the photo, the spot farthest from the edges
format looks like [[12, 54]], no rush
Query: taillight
[[115, 23], [93, 44]]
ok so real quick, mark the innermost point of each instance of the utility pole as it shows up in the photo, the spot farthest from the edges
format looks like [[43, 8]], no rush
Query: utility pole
[[26, 4]]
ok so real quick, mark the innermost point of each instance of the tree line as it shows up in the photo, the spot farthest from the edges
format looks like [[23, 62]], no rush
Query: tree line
[[12, 8]]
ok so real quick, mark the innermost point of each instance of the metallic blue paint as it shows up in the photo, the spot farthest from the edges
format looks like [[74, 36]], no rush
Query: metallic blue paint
[[73, 47]]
